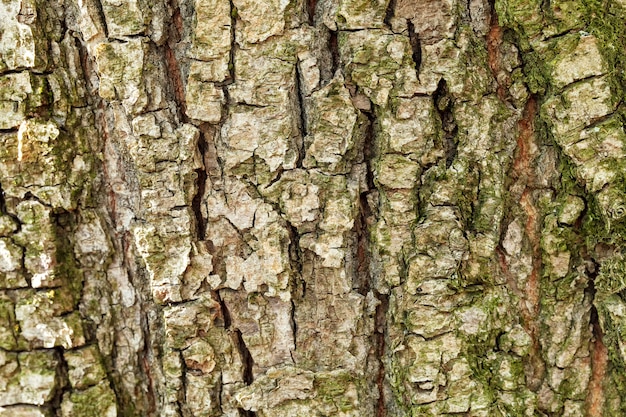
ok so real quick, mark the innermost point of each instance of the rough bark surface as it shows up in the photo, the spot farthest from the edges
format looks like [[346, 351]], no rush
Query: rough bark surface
[[312, 208]]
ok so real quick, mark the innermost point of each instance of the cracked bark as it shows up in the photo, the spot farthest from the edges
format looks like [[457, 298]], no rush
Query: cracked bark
[[339, 207]]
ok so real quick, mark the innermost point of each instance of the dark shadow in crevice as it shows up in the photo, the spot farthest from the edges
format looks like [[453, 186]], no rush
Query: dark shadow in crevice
[[416, 47], [381, 350], [310, 7], [302, 122], [333, 47], [363, 255], [444, 106], [390, 12], [224, 309], [201, 179], [248, 363]]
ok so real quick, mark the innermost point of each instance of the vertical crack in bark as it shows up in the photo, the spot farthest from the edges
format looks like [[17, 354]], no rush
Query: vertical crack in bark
[[362, 250], [230, 79], [87, 67], [176, 82], [233, 45], [176, 30], [294, 328], [369, 152], [390, 12], [151, 394], [240, 345], [110, 378], [98, 5], [298, 285], [143, 399], [62, 378], [523, 173], [546, 7], [599, 363], [443, 104], [201, 178], [599, 354], [381, 350], [333, 47], [175, 79], [248, 363], [310, 8], [182, 393], [365, 218], [416, 47], [246, 413], [103, 130], [16, 220], [302, 123], [363, 273], [494, 56], [225, 313]]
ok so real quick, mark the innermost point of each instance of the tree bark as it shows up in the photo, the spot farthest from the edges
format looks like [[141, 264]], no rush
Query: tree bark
[[312, 208]]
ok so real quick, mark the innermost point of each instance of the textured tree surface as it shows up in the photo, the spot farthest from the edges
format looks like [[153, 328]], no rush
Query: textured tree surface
[[312, 208]]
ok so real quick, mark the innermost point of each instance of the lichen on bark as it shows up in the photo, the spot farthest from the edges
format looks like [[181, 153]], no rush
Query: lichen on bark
[[333, 207]]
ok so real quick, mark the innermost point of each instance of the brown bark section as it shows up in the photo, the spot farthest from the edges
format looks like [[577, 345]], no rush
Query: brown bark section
[[599, 366], [494, 42], [339, 207]]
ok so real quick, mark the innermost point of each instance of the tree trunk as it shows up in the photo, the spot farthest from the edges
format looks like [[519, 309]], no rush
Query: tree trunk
[[312, 208]]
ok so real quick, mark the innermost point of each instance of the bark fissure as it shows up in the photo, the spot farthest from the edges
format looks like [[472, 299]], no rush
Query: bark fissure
[[310, 9], [302, 122], [147, 360], [197, 217], [201, 181], [494, 43], [380, 336], [298, 285], [102, 19], [366, 216], [390, 12], [294, 328], [248, 364], [523, 172], [63, 384], [233, 46], [224, 310], [599, 352], [333, 47], [182, 394], [445, 107], [176, 81], [416, 46]]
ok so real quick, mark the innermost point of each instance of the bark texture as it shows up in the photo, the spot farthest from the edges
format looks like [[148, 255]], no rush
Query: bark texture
[[312, 208]]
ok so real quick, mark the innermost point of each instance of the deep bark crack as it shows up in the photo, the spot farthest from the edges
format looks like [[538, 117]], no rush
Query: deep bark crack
[[224, 310], [416, 47], [233, 45], [390, 12], [248, 364], [63, 384], [182, 393], [524, 172], [365, 217], [444, 106], [310, 8], [333, 47], [298, 284], [599, 353], [299, 98], [98, 5], [381, 349], [201, 179], [176, 81]]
